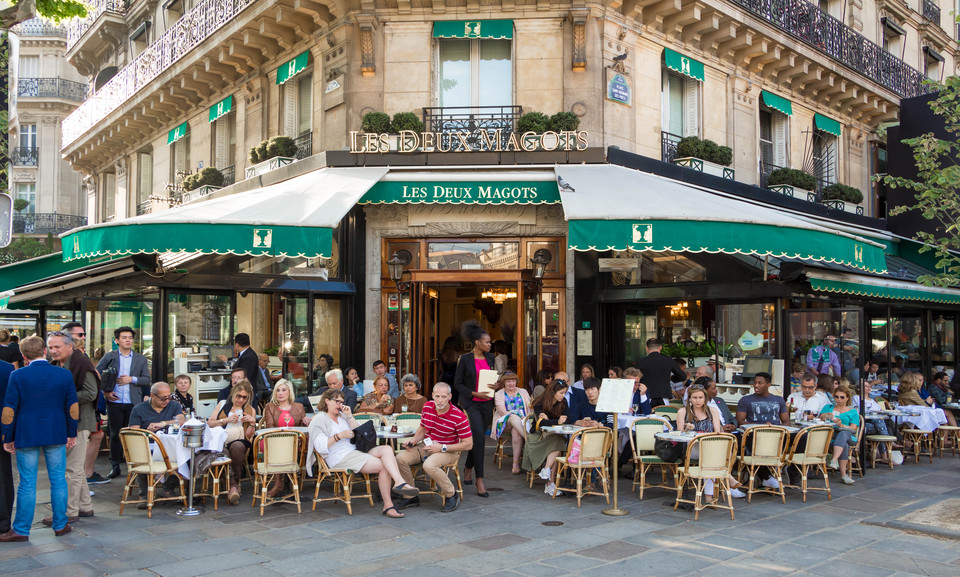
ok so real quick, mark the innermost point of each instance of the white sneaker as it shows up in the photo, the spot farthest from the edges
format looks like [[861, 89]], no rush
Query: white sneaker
[[847, 480], [833, 464], [545, 474], [550, 489], [92, 493], [771, 483], [738, 494]]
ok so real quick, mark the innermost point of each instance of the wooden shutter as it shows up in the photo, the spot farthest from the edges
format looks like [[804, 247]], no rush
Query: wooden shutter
[[179, 159], [691, 107], [779, 139], [290, 108], [146, 177], [220, 142]]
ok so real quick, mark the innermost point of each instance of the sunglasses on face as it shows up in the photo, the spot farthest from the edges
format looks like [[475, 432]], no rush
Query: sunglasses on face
[[240, 396]]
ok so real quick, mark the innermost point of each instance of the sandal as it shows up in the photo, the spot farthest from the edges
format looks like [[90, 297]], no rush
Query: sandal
[[398, 514], [515, 470], [406, 490], [234, 496]]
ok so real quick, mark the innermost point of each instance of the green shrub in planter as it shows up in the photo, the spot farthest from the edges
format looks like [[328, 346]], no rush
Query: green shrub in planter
[[692, 146], [207, 176], [259, 152], [843, 192], [20, 204], [793, 177], [563, 121], [378, 122], [689, 146], [280, 146], [533, 122], [406, 121]]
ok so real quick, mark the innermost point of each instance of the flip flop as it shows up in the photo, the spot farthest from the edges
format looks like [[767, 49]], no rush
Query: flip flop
[[406, 490], [398, 515]]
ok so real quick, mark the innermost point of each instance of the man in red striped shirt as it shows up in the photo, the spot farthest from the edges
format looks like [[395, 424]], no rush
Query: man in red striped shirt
[[443, 433]]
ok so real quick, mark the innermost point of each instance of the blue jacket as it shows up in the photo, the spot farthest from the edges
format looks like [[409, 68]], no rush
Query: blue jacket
[[5, 370], [40, 406]]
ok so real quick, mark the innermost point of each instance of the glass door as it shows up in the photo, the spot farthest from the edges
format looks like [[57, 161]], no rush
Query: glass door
[[295, 350], [542, 322], [103, 317]]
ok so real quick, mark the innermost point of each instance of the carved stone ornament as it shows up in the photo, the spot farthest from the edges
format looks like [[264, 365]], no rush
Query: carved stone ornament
[[579, 63], [368, 66], [25, 176]]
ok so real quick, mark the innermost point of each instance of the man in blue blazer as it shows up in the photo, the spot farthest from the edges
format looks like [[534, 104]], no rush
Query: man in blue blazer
[[6, 466], [132, 388], [40, 414]]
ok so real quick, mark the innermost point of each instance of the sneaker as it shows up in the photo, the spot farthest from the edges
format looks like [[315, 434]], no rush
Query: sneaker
[[847, 479], [771, 483], [92, 493], [405, 503], [833, 464], [97, 479], [550, 489], [738, 494], [545, 474], [450, 504]]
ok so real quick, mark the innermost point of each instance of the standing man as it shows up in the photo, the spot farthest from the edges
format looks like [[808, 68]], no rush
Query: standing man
[[248, 361], [658, 370], [87, 385], [9, 351], [6, 466], [823, 358], [380, 369], [850, 357], [133, 386], [39, 416], [75, 330]]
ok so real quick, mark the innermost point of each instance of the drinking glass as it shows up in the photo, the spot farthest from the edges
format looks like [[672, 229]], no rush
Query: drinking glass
[[403, 408], [635, 408]]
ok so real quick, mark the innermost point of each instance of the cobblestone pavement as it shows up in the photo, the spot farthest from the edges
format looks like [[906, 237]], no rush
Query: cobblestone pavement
[[504, 535]]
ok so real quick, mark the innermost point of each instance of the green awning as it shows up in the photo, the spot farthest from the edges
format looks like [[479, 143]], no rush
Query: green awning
[[449, 191], [683, 64], [221, 108], [30, 271], [777, 102], [862, 285], [825, 124], [493, 29], [177, 133], [292, 68]]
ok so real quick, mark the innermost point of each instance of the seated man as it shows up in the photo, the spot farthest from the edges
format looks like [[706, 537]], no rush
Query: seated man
[[161, 410], [640, 398], [443, 433], [236, 375], [586, 414], [808, 401], [727, 419], [762, 407], [334, 380]]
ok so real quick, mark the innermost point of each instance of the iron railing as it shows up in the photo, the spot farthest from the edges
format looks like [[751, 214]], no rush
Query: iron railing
[[51, 88], [229, 175], [473, 120], [77, 27], [809, 24], [304, 144], [931, 12], [46, 222], [198, 24], [25, 155], [668, 146], [40, 27], [144, 207]]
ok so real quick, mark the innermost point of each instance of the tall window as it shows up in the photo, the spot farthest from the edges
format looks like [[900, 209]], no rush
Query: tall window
[[932, 63], [28, 192], [145, 178], [681, 105], [298, 105], [139, 40], [180, 158], [474, 72], [28, 136], [29, 67], [773, 138], [109, 205], [892, 35], [825, 158], [224, 141]]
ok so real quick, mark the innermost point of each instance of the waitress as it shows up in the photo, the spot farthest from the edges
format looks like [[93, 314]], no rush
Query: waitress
[[478, 406]]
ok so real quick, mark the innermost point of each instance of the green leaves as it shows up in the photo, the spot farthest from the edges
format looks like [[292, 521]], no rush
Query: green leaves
[[58, 10]]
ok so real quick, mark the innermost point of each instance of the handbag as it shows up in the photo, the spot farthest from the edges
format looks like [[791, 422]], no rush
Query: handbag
[[365, 437], [108, 379], [669, 451]]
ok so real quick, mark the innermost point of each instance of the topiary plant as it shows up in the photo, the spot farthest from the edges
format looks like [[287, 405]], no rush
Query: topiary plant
[[793, 177], [842, 192], [207, 176], [262, 150], [406, 121], [378, 122], [533, 122], [723, 156], [689, 146], [20, 204], [563, 121], [281, 146], [254, 155]]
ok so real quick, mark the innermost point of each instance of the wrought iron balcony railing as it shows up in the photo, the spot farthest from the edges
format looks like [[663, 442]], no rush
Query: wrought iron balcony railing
[[77, 27], [809, 24], [668, 146], [931, 12], [304, 144], [229, 175], [51, 88], [473, 120], [198, 24], [25, 155], [40, 27], [46, 222]]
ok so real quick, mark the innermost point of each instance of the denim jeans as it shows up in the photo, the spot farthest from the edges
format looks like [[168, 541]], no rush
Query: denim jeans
[[28, 460]]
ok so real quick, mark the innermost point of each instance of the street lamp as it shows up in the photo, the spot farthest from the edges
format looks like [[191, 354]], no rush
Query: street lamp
[[540, 260], [395, 269]]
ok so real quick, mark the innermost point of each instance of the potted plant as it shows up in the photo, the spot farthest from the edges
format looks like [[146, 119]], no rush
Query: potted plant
[[838, 195], [270, 154], [376, 122], [705, 155], [202, 183], [789, 181]]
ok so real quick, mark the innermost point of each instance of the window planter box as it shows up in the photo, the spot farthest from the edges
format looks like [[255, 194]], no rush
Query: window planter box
[[844, 206], [268, 165], [794, 191], [705, 166], [199, 192]]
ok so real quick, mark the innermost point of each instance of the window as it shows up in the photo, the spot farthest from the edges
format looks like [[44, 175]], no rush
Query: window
[[473, 255], [773, 138], [658, 268], [180, 158], [474, 72], [298, 105], [893, 36], [145, 176], [29, 67], [28, 136], [932, 63], [224, 141], [139, 39], [28, 192], [825, 158], [109, 196], [681, 105]]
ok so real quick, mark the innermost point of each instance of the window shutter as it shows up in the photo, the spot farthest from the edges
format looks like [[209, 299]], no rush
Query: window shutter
[[220, 143], [780, 139], [691, 107], [146, 176], [179, 158], [290, 109]]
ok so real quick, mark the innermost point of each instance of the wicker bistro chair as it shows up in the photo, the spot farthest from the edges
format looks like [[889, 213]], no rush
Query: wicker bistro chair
[[922, 443], [343, 482], [432, 489], [945, 433], [137, 453], [718, 453], [505, 440], [595, 446], [816, 448], [642, 441], [767, 446], [281, 457], [410, 420], [375, 417], [856, 460], [216, 481], [873, 447], [667, 411]]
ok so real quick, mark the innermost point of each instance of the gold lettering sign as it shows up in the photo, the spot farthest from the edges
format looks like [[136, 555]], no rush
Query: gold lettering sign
[[409, 141]]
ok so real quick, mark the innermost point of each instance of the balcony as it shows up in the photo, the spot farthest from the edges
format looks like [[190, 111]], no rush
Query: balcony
[[46, 222], [668, 146], [931, 12], [51, 88], [474, 119], [304, 144], [40, 27], [810, 25], [25, 156], [108, 9], [230, 175]]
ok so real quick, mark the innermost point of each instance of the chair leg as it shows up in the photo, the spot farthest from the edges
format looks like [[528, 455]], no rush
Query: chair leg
[[803, 481], [346, 494], [150, 489], [640, 470]]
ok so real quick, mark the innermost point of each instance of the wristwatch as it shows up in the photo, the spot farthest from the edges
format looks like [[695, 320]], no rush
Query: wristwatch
[[443, 448]]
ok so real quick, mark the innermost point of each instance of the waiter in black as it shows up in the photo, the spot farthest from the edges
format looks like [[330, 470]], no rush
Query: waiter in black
[[657, 369], [248, 361]]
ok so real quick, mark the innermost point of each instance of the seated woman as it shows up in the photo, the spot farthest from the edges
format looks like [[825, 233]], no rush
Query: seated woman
[[351, 378], [237, 416], [410, 401], [848, 419], [379, 401], [939, 388], [542, 448], [541, 382], [181, 393], [330, 434], [696, 415], [909, 390], [282, 411], [511, 404]]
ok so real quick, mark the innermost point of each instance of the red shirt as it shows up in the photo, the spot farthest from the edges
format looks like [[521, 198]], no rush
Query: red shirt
[[446, 429]]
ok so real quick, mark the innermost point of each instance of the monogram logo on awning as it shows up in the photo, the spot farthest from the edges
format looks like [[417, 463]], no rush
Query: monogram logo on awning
[[858, 253], [642, 233], [471, 29], [685, 65], [262, 238]]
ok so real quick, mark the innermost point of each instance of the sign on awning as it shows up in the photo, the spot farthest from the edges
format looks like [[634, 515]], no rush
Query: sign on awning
[[683, 64], [221, 108], [460, 192], [491, 29], [292, 68], [177, 133]]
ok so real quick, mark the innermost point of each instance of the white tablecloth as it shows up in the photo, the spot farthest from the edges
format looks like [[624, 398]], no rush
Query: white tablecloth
[[213, 439], [930, 417]]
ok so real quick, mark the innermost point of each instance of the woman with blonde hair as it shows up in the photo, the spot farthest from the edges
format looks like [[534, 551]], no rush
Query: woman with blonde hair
[[236, 415], [847, 418], [909, 389], [511, 405]]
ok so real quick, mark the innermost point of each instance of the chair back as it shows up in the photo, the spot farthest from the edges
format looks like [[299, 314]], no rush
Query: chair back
[[313, 403], [280, 448], [642, 437], [408, 420], [361, 417], [716, 454], [667, 411], [766, 441], [859, 436], [526, 422], [595, 444], [818, 441], [136, 446]]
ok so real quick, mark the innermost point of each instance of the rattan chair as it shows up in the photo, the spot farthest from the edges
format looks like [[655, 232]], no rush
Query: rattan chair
[[922, 443], [949, 433], [216, 481], [763, 446], [642, 442], [816, 448], [281, 458], [377, 418], [717, 454], [855, 463], [343, 482], [139, 457], [667, 411], [432, 489], [409, 420], [873, 443], [595, 445]]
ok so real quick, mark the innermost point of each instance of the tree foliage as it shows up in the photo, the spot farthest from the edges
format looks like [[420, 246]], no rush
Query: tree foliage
[[937, 187], [56, 10], [25, 247]]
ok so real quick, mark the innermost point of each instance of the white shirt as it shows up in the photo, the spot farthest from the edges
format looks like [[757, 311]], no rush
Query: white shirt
[[869, 405], [335, 453], [814, 404]]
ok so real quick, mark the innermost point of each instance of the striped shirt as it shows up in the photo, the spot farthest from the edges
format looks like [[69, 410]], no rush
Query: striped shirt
[[446, 429]]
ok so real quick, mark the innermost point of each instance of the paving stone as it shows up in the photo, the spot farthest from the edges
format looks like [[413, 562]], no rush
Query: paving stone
[[16, 565], [861, 504], [842, 568], [613, 551], [492, 543], [899, 559], [205, 565], [652, 564]]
